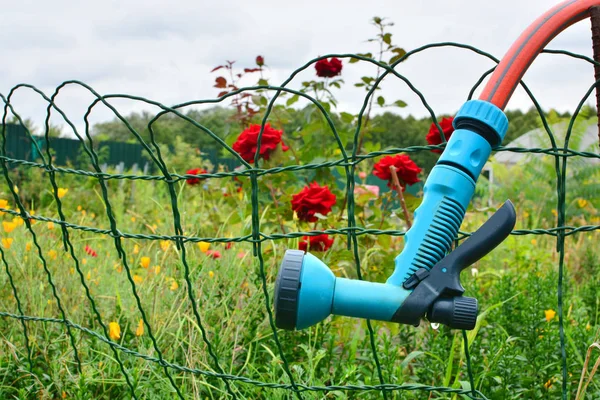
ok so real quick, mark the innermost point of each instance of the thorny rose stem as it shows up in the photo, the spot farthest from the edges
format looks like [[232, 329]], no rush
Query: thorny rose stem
[[400, 195]]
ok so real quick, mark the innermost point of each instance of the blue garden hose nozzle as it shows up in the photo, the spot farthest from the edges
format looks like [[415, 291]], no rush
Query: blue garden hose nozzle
[[426, 279]]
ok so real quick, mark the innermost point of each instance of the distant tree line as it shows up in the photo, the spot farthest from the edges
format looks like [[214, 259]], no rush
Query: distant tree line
[[386, 130]]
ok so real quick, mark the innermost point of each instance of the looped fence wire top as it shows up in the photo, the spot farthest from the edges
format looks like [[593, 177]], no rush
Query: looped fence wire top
[[256, 238]]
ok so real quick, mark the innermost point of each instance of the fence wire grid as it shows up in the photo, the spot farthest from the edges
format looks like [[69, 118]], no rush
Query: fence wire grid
[[348, 160]]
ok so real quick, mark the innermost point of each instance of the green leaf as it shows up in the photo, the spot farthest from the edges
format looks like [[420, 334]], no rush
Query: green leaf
[[400, 103], [359, 84], [387, 38], [263, 82], [367, 79], [381, 101], [292, 100], [385, 242], [399, 53], [355, 60], [346, 117]]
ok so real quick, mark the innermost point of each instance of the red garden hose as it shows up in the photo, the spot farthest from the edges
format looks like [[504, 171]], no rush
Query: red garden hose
[[532, 41]]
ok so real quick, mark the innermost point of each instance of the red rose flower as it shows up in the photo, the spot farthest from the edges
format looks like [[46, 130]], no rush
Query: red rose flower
[[213, 253], [260, 61], [246, 143], [328, 68], [195, 171], [406, 169], [433, 137], [315, 243], [311, 200]]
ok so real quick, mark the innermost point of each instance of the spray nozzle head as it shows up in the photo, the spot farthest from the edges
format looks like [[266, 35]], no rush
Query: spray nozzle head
[[307, 292], [303, 291]]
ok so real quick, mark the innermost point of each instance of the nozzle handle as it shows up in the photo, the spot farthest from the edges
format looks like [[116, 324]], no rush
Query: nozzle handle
[[484, 240], [443, 280]]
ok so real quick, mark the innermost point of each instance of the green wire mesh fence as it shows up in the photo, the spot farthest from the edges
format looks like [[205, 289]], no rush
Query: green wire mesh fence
[[215, 374]]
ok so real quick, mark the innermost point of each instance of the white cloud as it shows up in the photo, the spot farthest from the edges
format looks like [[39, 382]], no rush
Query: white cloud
[[165, 50]]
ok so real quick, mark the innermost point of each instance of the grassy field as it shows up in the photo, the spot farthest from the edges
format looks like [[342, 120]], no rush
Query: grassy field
[[514, 351]]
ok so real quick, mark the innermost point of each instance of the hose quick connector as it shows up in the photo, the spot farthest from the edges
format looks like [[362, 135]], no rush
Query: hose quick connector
[[475, 123]]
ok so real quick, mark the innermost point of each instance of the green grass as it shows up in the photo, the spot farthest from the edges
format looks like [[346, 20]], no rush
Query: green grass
[[514, 351]]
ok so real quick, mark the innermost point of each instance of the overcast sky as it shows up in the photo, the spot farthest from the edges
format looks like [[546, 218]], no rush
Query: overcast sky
[[165, 50]]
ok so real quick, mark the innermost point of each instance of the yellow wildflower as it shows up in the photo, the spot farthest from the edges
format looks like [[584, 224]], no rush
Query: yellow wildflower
[[8, 226], [211, 274], [581, 203], [52, 254], [337, 152], [4, 204], [525, 214], [62, 192], [79, 208], [132, 219], [174, 285], [136, 249], [138, 279], [548, 384], [114, 331], [28, 246], [554, 212], [140, 328], [550, 314], [157, 269], [588, 327], [533, 242], [71, 270], [203, 246], [84, 261], [145, 262], [6, 242], [16, 189], [18, 221], [93, 215], [164, 245], [64, 394], [50, 225]]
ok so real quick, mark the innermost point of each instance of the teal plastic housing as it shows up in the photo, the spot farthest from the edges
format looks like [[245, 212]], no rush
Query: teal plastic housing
[[449, 189], [322, 294], [480, 126]]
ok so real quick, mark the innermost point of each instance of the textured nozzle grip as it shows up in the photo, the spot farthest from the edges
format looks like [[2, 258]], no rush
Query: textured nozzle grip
[[287, 289], [456, 312]]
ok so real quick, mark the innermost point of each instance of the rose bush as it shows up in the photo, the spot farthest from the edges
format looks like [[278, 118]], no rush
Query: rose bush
[[328, 68], [316, 243], [433, 137], [406, 169], [247, 142], [313, 199], [195, 171]]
